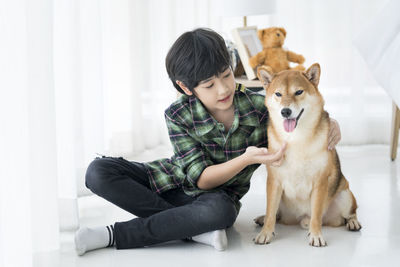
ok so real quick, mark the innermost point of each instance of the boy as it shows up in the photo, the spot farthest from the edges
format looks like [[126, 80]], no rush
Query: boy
[[218, 130]]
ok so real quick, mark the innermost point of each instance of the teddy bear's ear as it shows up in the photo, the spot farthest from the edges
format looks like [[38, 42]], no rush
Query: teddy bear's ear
[[283, 31], [260, 34], [265, 75], [313, 73]]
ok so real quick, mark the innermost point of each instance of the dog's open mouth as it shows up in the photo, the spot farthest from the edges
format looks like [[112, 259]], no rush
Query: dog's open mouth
[[290, 124]]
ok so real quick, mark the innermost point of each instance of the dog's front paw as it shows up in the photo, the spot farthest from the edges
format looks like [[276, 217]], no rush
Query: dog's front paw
[[353, 224], [264, 237], [316, 240], [260, 220]]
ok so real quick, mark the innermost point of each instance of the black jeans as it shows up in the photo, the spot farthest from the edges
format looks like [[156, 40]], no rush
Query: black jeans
[[171, 215]]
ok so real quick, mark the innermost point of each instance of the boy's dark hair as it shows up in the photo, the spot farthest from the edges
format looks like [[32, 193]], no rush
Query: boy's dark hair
[[195, 56]]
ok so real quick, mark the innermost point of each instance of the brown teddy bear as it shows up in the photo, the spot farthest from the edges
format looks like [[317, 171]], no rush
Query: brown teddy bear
[[273, 55]]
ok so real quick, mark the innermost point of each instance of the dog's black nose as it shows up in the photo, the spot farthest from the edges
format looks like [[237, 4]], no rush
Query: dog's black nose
[[286, 112]]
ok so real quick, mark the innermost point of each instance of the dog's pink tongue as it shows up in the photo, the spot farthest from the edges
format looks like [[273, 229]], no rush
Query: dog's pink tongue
[[289, 124]]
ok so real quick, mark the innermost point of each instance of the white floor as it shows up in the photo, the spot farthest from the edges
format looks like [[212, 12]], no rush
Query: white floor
[[373, 178]]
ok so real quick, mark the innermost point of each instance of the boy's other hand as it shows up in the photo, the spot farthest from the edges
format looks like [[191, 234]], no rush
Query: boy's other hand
[[261, 155]]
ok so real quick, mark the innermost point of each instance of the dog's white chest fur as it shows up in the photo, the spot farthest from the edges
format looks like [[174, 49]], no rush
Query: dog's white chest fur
[[297, 176], [302, 167]]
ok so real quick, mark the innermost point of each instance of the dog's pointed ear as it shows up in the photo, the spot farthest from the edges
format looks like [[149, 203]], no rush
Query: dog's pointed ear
[[313, 73], [265, 75]]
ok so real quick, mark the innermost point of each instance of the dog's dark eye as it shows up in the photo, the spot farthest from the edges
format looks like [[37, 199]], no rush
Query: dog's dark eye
[[278, 94], [278, 34], [299, 92]]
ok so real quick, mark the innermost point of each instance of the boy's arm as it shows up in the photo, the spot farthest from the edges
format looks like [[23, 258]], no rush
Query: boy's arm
[[216, 175]]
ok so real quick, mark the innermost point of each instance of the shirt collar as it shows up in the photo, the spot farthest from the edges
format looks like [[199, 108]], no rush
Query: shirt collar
[[203, 122]]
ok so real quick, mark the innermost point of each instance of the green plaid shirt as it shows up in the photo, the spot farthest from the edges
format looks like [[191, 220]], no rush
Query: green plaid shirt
[[200, 141]]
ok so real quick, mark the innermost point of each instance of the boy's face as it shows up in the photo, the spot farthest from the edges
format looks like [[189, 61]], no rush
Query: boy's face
[[216, 93]]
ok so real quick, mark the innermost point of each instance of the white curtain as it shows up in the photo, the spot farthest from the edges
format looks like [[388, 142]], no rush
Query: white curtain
[[77, 77], [84, 76], [28, 171], [110, 82]]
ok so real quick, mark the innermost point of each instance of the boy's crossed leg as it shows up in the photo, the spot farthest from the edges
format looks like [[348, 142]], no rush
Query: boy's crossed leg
[[202, 219]]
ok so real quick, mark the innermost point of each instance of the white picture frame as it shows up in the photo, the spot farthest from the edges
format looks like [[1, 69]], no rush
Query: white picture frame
[[248, 45]]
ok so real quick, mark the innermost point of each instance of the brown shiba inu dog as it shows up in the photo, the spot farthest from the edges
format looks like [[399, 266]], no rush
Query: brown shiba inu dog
[[308, 187]]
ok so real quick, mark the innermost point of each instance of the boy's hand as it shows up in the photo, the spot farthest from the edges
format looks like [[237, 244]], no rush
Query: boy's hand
[[261, 155], [334, 134]]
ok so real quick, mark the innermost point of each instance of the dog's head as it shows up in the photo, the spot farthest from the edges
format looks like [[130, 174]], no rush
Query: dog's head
[[292, 96]]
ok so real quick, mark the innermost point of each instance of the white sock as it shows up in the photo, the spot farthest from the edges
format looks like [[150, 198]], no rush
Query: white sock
[[87, 239], [216, 239]]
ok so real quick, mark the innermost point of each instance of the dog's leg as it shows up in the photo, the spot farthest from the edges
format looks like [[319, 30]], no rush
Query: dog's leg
[[349, 211], [260, 219], [274, 194], [318, 203]]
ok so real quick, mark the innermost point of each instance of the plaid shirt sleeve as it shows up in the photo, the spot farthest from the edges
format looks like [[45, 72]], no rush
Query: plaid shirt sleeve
[[259, 104], [188, 152]]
